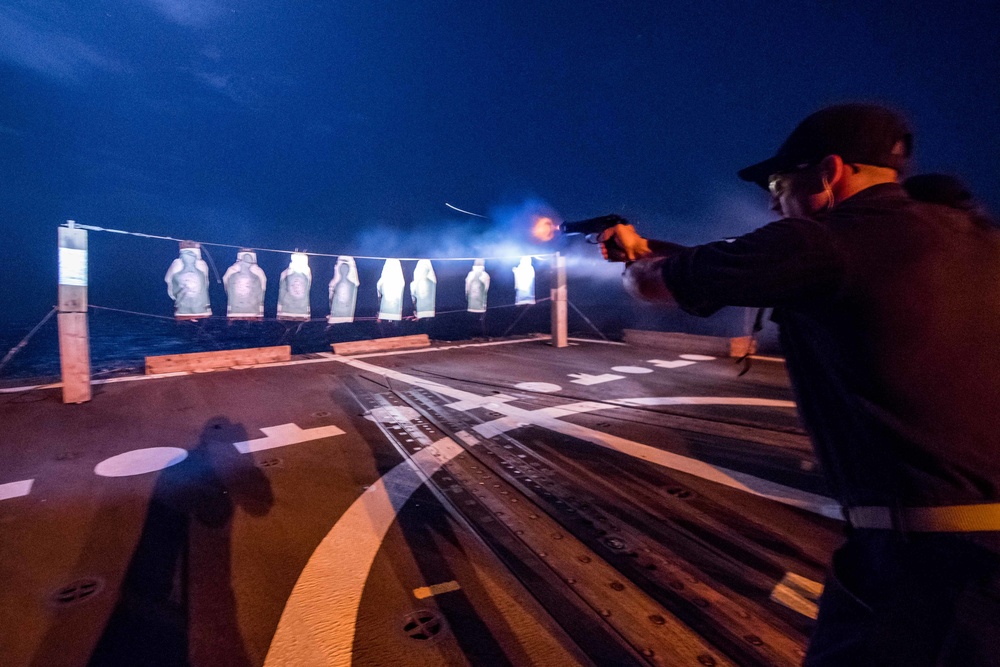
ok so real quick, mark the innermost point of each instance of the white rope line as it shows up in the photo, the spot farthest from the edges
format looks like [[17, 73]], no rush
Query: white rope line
[[95, 228], [24, 341]]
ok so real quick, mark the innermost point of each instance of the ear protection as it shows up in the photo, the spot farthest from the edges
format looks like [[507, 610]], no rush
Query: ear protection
[[829, 193]]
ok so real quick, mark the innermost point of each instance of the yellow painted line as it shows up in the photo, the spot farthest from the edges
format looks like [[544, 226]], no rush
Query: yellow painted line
[[437, 589]]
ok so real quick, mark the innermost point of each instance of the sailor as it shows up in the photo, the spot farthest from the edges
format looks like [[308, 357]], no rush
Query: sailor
[[343, 291], [889, 317], [477, 284]]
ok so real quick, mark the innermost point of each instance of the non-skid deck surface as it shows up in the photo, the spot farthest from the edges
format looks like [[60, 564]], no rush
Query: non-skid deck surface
[[495, 504]]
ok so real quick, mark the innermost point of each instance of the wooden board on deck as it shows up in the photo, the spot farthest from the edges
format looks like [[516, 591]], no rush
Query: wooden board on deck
[[716, 346], [204, 361], [382, 344]]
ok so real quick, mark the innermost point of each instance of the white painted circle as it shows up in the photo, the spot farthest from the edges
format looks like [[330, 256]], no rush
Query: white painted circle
[[140, 461], [697, 357], [387, 415], [538, 387], [633, 370]]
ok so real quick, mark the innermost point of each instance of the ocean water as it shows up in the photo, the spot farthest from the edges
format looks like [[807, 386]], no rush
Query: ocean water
[[119, 341]]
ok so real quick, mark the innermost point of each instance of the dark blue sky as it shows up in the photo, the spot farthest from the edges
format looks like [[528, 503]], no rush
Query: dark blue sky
[[309, 123]]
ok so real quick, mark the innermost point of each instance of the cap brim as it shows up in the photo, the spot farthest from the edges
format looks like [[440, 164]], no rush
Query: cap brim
[[760, 173]]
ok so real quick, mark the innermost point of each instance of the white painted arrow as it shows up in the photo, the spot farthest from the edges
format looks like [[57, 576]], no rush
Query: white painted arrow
[[15, 489], [587, 380], [285, 434]]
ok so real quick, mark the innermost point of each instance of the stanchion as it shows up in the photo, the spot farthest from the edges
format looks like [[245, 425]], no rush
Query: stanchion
[[74, 341], [559, 297]]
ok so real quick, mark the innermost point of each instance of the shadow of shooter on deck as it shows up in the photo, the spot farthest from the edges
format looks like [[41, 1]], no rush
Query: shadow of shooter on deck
[[176, 604]]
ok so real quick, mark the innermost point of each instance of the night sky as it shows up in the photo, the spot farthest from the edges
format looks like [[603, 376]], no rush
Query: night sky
[[345, 126]]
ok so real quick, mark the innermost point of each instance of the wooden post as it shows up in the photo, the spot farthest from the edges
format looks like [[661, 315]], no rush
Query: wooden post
[[558, 293], [74, 342]]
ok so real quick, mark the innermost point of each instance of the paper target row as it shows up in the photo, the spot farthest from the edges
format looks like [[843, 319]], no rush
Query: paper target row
[[245, 284]]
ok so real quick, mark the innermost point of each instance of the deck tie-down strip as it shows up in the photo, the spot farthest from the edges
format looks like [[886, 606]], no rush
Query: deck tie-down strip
[[757, 486]]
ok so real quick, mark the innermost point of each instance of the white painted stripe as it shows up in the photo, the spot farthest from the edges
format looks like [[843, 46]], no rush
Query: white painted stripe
[[632, 370], [697, 357], [538, 387], [599, 342], [402, 414], [504, 424], [703, 400], [284, 435], [754, 485], [140, 461], [660, 363], [799, 594], [587, 380], [486, 402], [437, 589], [318, 623], [16, 489], [467, 438]]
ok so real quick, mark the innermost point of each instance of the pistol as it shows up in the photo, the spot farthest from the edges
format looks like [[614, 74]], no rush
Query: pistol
[[591, 227]]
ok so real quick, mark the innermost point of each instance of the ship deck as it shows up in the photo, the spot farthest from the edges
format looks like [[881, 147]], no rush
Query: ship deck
[[501, 503]]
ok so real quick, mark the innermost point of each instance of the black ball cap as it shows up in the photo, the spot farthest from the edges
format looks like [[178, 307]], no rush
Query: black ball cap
[[858, 133]]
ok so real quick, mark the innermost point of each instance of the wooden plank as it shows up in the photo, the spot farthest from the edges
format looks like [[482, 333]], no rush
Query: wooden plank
[[742, 346], [559, 296], [74, 357], [382, 344], [716, 346], [203, 361]]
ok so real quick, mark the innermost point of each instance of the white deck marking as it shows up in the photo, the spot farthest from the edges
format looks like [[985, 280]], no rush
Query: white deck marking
[[587, 380], [318, 623], [697, 357], [660, 363], [140, 461], [632, 370], [703, 400], [283, 435], [467, 438], [497, 426], [437, 589], [599, 342], [799, 594], [754, 485], [16, 489], [538, 387], [389, 416], [495, 398]]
